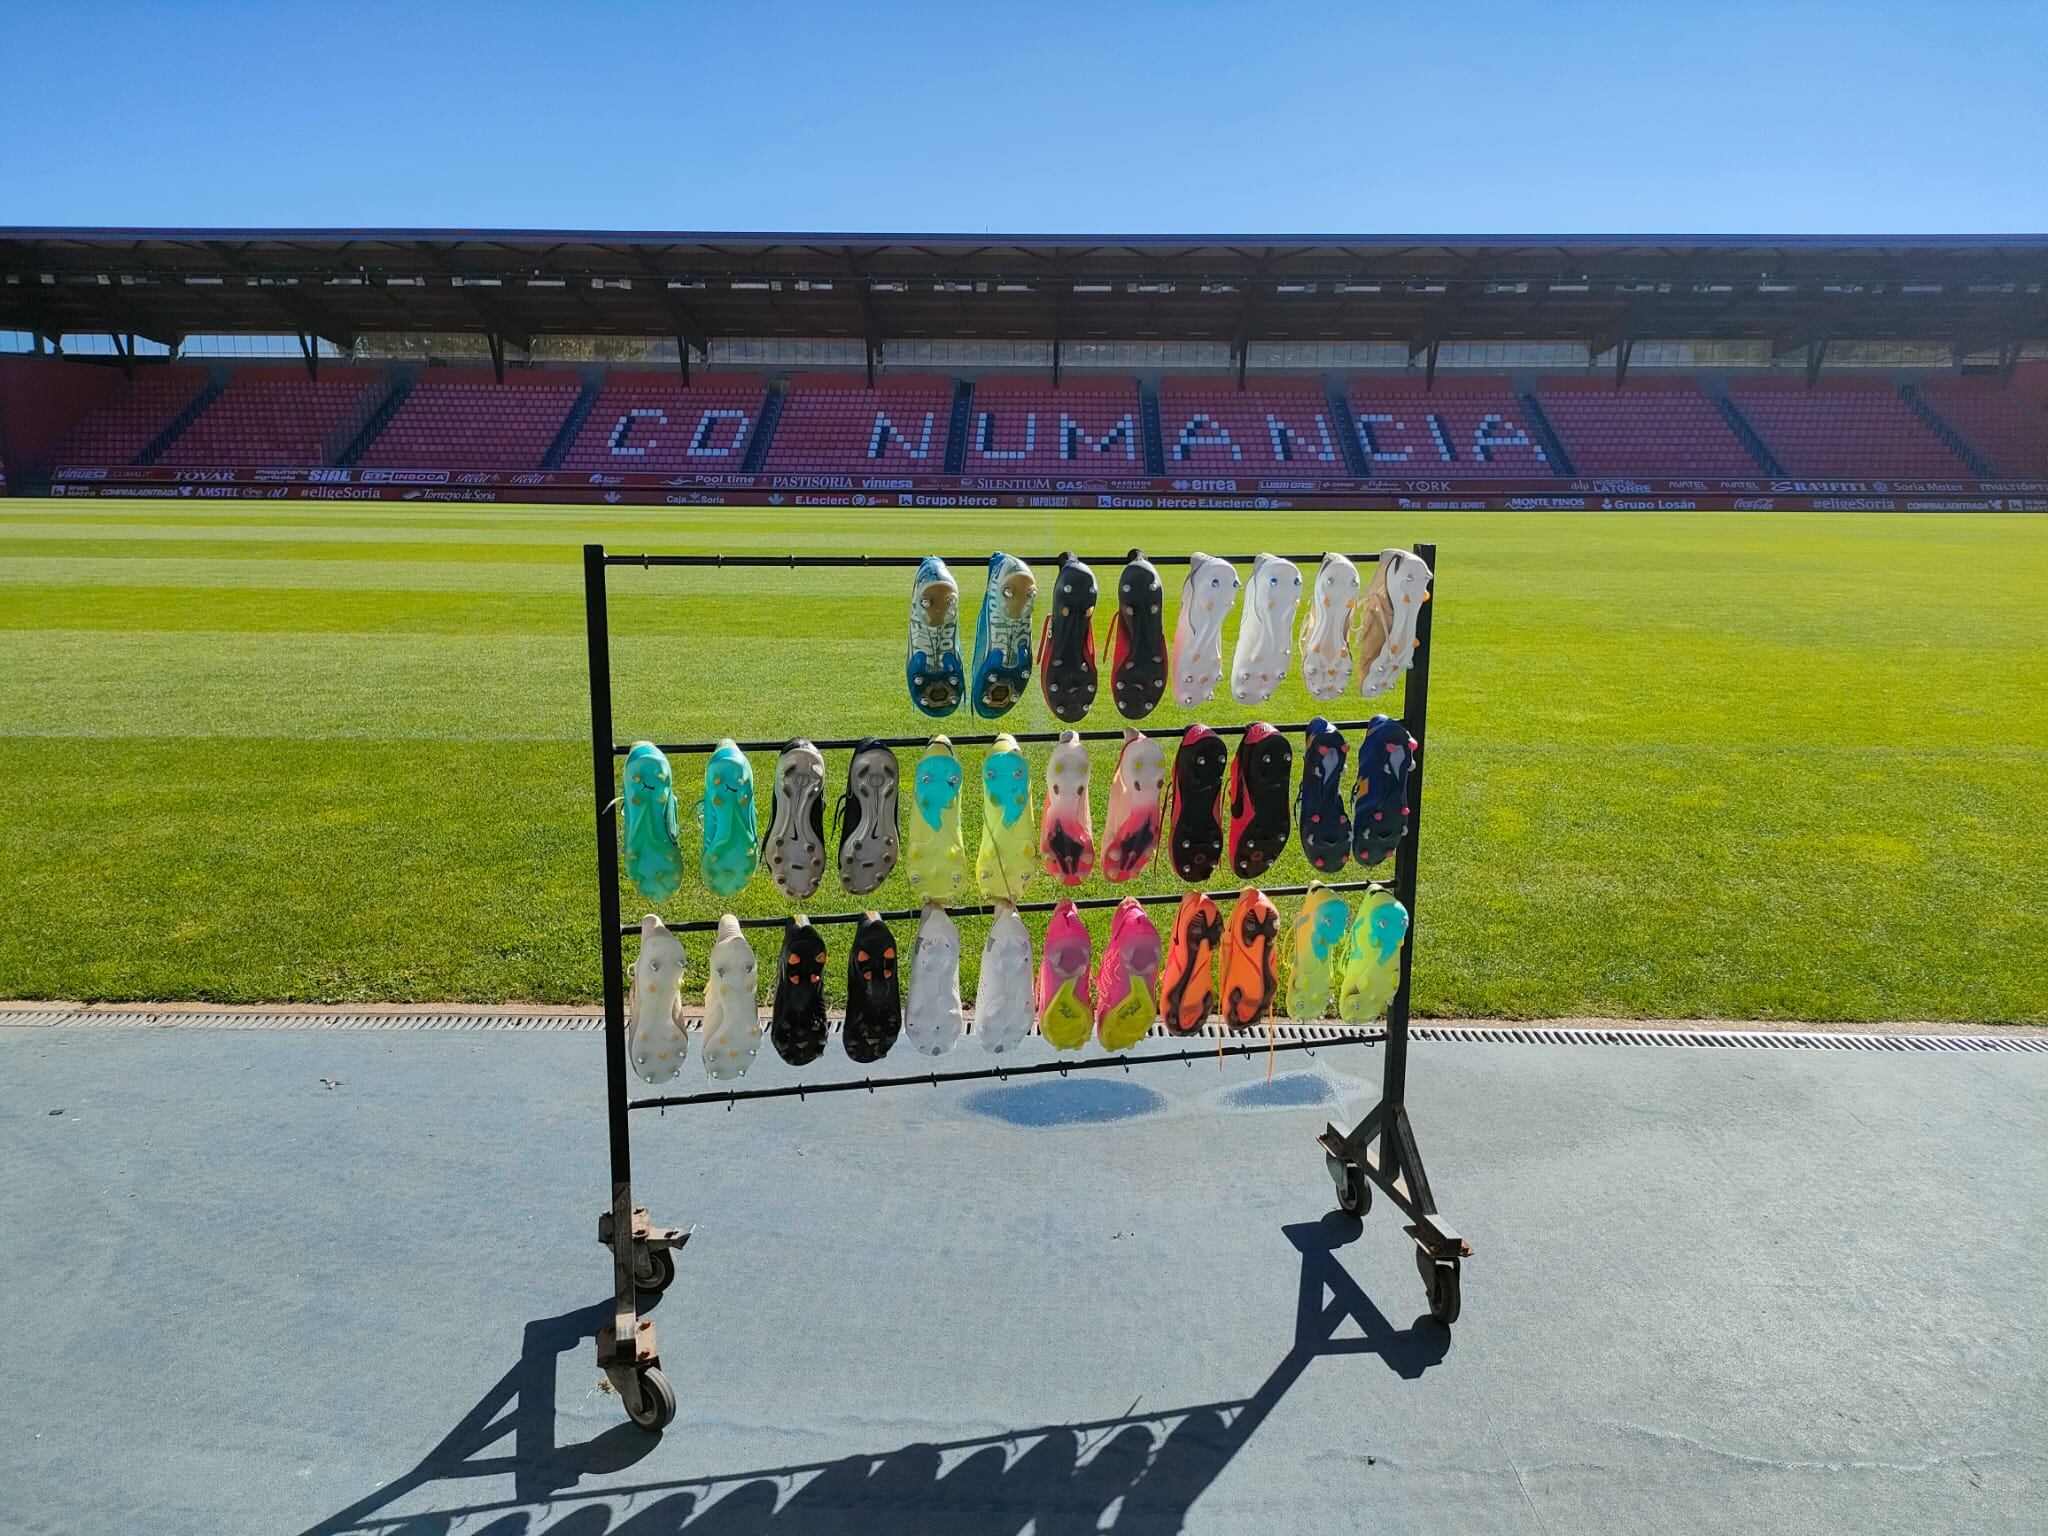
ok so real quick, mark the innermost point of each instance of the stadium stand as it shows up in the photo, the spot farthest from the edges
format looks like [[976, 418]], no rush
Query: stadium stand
[[89, 418], [1090, 426], [1842, 427], [1278, 428], [834, 424], [459, 419], [648, 422], [1463, 428], [138, 411], [1996, 420], [1646, 427], [277, 417]]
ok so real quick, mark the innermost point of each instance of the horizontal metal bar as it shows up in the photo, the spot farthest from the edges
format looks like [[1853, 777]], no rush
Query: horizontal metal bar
[[911, 914], [1034, 1069], [911, 562], [974, 739]]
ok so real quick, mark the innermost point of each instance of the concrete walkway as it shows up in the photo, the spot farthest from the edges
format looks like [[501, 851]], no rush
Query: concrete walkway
[[305, 1279]]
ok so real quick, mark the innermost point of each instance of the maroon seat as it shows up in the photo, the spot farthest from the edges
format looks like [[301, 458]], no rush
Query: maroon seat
[[1464, 428], [1842, 427], [1647, 427], [1996, 420], [120, 427], [834, 424], [648, 422], [278, 417], [463, 419], [1283, 427], [1026, 426]]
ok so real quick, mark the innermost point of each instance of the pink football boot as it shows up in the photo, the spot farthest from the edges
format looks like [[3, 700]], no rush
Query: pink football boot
[[1127, 995], [1130, 837], [1066, 836], [1065, 996]]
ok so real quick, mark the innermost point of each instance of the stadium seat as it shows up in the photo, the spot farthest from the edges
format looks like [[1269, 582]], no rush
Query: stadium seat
[[1842, 427], [1084, 427], [834, 424], [278, 416], [1655, 426], [1282, 427], [463, 419], [1469, 428], [1995, 420], [653, 422], [117, 430]]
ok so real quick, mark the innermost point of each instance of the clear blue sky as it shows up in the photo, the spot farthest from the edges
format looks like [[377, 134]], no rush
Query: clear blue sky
[[1624, 115]]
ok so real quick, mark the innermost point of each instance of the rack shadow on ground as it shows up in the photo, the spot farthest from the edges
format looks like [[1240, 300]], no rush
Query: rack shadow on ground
[[1134, 1473]]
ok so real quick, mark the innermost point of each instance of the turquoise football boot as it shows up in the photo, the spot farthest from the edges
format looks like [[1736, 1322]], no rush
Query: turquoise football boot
[[654, 849], [732, 840]]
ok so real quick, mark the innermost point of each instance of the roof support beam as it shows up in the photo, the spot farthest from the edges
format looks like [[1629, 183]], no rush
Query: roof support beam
[[496, 343], [497, 324], [309, 348], [310, 318], [1816, 354], [1623, 351]]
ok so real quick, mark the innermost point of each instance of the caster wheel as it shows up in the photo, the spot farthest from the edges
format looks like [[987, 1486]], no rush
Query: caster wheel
[[659, 1271], [1354, 1191], [657, 1400], [1440, 1279]]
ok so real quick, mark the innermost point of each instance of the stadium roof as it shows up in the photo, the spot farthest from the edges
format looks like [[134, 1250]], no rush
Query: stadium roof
[[1975, 292]]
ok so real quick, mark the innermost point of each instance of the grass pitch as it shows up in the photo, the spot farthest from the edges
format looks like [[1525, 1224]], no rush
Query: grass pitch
[[1692, 765]]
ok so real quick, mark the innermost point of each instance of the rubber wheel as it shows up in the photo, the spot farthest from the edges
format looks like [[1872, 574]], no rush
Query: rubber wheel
[[657, 1401], [1440, 1280], [1354, 1193], [661, 1269]]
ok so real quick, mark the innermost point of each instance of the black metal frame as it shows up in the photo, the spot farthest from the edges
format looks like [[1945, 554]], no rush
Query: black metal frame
[[626, 1348]]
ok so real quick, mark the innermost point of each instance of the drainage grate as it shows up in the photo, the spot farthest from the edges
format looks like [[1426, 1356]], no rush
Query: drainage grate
[[1440, 1034], [1739, 1039], [268, 1018]]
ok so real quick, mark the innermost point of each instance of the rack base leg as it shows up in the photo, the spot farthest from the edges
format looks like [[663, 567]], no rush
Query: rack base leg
[[627, 1349], [1349, 1157]]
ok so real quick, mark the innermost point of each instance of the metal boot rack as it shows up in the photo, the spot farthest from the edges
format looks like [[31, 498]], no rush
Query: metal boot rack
[[644, 1264]]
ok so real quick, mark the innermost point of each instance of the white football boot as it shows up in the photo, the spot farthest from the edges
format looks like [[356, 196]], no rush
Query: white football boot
[[732, 1013], [1005, 1004], [655, 1039], [932, 1017], [1384, 642], [1326, 628], [795, 851], [1205, 600], [1265, 635]]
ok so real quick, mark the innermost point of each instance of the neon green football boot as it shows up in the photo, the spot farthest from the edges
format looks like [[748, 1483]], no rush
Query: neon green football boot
[[1318, 934], [1009, 842], [1372, 960], [937, 859]]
